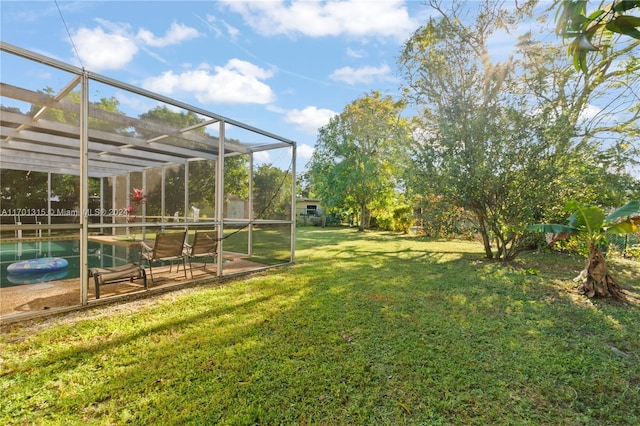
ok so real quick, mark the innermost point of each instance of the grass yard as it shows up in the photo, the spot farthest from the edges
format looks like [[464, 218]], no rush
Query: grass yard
[[365, 329]]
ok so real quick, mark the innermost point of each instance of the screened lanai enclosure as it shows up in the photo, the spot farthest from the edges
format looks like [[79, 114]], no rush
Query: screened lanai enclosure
[[96, 173]]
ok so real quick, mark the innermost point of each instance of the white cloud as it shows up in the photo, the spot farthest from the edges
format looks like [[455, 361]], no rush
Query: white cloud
[[353, 53], [262, 157], [237, 82], [111, 46], [367, 74], [304, 152], [101, 51], [318, 19], [276, 109], [175, 35], [248, 69], [232, 31], [589, 113], [309, 119]]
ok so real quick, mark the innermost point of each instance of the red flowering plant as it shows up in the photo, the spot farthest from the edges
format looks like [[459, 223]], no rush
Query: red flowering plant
[[137, 199]]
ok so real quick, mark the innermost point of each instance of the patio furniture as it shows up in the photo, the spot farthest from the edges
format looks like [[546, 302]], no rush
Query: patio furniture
[[167, 247], [205, 245], [117, 274]]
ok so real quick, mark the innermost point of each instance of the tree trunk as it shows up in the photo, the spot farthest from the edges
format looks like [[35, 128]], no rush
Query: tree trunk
[[596, 280], [363, 214], [485, 235]]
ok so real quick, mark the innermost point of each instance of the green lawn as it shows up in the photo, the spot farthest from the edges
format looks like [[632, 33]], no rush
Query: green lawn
[[365, 329]]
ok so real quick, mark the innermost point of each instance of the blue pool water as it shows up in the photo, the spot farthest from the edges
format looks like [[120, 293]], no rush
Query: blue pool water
[[100, 255]]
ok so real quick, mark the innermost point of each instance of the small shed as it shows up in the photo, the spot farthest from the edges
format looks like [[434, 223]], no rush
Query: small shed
[[309, 211]]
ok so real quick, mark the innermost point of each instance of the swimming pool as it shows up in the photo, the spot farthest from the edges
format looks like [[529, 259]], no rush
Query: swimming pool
[[100, 255]]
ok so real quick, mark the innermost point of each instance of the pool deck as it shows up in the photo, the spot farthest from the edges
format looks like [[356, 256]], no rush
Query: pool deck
[[116, 241], [36, 298]]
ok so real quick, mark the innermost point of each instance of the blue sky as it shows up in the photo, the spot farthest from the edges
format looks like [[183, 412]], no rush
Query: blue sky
[[283, 66]]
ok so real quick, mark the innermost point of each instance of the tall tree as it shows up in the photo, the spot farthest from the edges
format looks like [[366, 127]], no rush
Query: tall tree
[[590, 117], [304, 186], [605, 40], [487, 144], [475, 140], [272, 192], [358, 155]]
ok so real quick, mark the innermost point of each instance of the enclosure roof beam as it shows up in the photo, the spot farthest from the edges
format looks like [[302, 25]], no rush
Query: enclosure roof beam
[[67, 163], [207, 144], [268, 147]]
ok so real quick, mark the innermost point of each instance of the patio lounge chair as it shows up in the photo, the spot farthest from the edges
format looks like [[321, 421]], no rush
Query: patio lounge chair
[[205, 245], [168, 247], [117, 274]]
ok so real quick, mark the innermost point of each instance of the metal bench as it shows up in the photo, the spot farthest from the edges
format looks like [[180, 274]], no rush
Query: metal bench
[[116, 274]]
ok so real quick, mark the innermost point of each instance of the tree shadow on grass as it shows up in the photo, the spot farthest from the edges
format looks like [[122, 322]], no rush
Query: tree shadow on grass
[[485, 331], [359, 336]]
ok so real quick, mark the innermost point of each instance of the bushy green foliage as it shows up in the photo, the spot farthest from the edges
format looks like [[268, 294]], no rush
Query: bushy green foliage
[[358, 155], [440, 219], [397, 218], [402, 218]]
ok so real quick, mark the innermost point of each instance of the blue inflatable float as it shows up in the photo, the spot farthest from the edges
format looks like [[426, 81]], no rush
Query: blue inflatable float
[[43, 264], [37, 277]]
